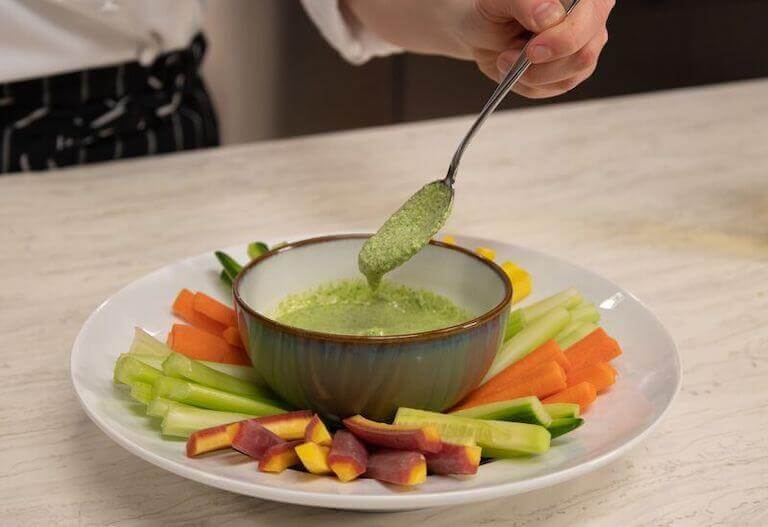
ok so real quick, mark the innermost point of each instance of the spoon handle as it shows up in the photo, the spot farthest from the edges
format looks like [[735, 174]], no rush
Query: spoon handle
[[504, 87]]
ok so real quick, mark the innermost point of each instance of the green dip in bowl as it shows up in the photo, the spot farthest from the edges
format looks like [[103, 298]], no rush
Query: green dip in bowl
[[339, 374]]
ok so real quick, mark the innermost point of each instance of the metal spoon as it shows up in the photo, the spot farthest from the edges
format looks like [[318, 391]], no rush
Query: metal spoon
[[408, 230], [504, 87]]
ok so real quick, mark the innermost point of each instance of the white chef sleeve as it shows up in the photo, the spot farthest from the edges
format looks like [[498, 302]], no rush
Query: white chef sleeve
[[353, 42]]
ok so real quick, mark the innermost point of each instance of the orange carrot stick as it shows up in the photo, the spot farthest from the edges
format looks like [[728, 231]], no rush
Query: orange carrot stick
[[582, 394], [601, 375], [201, 345], [520, 370], [232, 336], [183, 306], [215, 310], [595, 347], [543, 380]]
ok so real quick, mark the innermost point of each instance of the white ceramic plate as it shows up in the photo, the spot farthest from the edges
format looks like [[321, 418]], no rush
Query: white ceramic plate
[[649, 378]]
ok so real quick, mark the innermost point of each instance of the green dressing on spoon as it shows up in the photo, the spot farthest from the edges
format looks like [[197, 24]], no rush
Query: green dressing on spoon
[[406, 232]]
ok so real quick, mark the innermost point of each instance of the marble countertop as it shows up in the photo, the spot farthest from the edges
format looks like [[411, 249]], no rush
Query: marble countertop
[[666, 194]]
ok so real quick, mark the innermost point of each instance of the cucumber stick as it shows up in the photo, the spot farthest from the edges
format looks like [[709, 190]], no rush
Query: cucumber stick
[[564, 425], [500, 438], [521, 410], [520, 318], [210, 398], [182, 367], [529, 338], [560, 410]]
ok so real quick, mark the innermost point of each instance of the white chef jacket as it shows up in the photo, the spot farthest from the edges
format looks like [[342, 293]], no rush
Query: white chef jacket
[[46, 37]]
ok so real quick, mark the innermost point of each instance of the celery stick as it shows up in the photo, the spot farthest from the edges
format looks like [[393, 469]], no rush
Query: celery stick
[[522, 317], [585, 312], [181, 420], [205, 397], [159, 406], [581, 314], [566, 299], [531, 337], [151, 351], [129, 370], [572, 338], [561, 410], [146, 345], [244, 373], [515, 324], [182, 367], [142, 392]]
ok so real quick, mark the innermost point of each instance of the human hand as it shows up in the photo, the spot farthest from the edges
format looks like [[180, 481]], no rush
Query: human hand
[[564, 50]]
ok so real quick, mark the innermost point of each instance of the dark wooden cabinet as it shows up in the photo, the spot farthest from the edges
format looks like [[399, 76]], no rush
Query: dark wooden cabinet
[[654, 44]]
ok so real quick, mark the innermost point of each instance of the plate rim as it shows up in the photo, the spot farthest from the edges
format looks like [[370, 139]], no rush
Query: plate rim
[[375, 502]]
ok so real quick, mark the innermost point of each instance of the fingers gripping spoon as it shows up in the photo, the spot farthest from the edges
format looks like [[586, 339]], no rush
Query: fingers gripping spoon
[[409, 229]]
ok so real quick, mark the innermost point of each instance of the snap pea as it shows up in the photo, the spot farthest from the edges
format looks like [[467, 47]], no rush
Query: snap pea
[[230, 265]]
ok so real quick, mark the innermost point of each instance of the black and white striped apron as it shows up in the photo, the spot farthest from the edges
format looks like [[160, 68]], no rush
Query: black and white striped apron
[[107, 113]]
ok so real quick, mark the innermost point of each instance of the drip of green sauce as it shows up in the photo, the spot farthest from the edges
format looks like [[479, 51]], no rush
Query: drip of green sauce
[[406, 232], [351, 307]]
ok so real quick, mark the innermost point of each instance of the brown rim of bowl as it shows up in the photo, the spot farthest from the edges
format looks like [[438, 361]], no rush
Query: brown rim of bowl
[[365, 339]]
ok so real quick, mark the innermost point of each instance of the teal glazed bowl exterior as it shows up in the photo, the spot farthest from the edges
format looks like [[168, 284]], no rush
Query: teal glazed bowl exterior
[[342, 375]]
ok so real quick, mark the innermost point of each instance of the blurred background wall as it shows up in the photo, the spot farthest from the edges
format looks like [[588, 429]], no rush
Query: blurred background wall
[[272, 74]]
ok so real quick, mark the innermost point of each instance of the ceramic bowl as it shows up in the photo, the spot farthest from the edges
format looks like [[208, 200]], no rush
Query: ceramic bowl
[[342, 375]]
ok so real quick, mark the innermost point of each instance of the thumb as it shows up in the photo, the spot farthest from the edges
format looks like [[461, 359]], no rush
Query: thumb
[[533, 15]]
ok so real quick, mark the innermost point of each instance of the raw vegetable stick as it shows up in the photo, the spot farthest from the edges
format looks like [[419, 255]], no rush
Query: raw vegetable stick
[[348, 457], [182, 367], [182, 420], [496, 438], [572, 338], [582, 314], [201, 345], [141, 392], [562, 410], [595, 347], [564, 425], [205, 397], [522, 410], [129, 370], [214, 310], [454, 459], [601, 375], [520, 318], [183, 306], [582, 394], [151, 351], [528, 339], [232, 336], [546, 379], [515, 372], [400, 467]]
